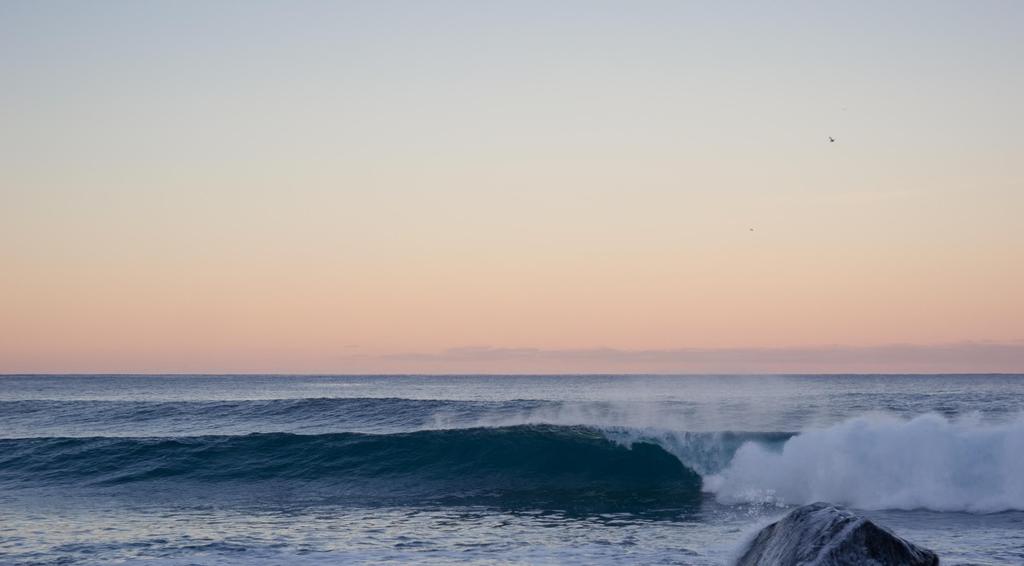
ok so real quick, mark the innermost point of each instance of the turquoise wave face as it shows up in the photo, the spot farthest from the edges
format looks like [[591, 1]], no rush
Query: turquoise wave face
[[539, 466]]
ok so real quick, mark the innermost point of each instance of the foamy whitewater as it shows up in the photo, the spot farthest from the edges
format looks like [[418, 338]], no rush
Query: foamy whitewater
[[508, 469], [927, 462]]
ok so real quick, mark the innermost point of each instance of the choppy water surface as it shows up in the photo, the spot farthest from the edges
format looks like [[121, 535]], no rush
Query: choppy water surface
[[499, 469]]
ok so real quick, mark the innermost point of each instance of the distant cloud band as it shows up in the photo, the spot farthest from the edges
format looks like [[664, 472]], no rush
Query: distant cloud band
[[952, 357]]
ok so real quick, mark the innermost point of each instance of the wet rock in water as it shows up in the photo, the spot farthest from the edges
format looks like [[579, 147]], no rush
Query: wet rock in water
[[824, 535]]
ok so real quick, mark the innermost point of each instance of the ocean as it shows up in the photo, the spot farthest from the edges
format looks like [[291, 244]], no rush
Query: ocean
[[196, 469]]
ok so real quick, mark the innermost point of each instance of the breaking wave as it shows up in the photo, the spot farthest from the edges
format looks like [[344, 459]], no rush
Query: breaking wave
[[534, 452], [928, 462]]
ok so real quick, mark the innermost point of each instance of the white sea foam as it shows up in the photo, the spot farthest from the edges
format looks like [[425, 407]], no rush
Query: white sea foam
[[927, 462]]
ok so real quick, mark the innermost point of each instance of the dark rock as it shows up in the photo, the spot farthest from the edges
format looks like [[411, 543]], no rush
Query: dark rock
[[824, 535]]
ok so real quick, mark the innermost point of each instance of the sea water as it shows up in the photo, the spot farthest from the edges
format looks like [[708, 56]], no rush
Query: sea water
[[497, 469]]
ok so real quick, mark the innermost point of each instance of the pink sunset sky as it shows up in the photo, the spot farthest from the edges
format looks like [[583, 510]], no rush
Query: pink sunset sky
[[407, 187]]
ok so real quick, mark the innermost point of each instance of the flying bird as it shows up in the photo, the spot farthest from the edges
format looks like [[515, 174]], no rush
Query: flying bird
[[831, 139]]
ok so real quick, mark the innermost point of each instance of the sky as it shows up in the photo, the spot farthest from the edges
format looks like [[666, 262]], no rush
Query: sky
[[504, 187]]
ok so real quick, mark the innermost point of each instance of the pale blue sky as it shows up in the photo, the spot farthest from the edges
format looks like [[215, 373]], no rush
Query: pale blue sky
[[201, 180]]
